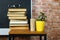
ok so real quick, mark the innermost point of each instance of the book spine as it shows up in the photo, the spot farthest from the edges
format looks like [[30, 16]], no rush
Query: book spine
[[15, 15], [17, 22], [16, 9], [18, 25], [18, 17], [16, 12], [19, 28]]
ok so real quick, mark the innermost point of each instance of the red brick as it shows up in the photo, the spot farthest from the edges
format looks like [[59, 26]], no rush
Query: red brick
[[56, 19], [48, 27], [52, 10], [56, 0], [56, 25]]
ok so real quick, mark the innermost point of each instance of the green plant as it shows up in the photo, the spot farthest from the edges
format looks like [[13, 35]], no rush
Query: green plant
[[42, 17]]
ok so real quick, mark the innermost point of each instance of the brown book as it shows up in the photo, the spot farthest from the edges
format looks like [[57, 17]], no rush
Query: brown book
[[22, 28], [17, 9], [23, 17]]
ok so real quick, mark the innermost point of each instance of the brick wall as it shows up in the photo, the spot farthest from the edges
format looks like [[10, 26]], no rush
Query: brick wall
[[52, 10]]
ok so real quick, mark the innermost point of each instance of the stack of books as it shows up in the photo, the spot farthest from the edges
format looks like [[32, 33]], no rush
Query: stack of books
[[18, 18]]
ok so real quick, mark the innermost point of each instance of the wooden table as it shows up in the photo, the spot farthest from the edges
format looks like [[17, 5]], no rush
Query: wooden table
[[17, 32]]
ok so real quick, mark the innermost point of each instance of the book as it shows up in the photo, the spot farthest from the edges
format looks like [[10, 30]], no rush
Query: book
[[16, 15], [22, 28], [18, 21], [16, 12], [23, 17], [17, 9], [18, 25]]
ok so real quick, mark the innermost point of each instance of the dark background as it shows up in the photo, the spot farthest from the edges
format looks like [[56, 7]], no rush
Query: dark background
[[4, 21]]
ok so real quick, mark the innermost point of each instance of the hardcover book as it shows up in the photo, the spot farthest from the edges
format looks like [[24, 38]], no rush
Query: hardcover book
[[18, 21], [17, 9], [16, 12], [16, 15], [23, 17], [18, 25], [22, 28]]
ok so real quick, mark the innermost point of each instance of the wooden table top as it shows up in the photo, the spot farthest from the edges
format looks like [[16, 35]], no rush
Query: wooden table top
[[16, 31]]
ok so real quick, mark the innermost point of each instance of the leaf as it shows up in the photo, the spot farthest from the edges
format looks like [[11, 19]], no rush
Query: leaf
[[42, 17]]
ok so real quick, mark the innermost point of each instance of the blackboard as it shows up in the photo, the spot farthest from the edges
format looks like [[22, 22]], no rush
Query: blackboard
[[4, 21]]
